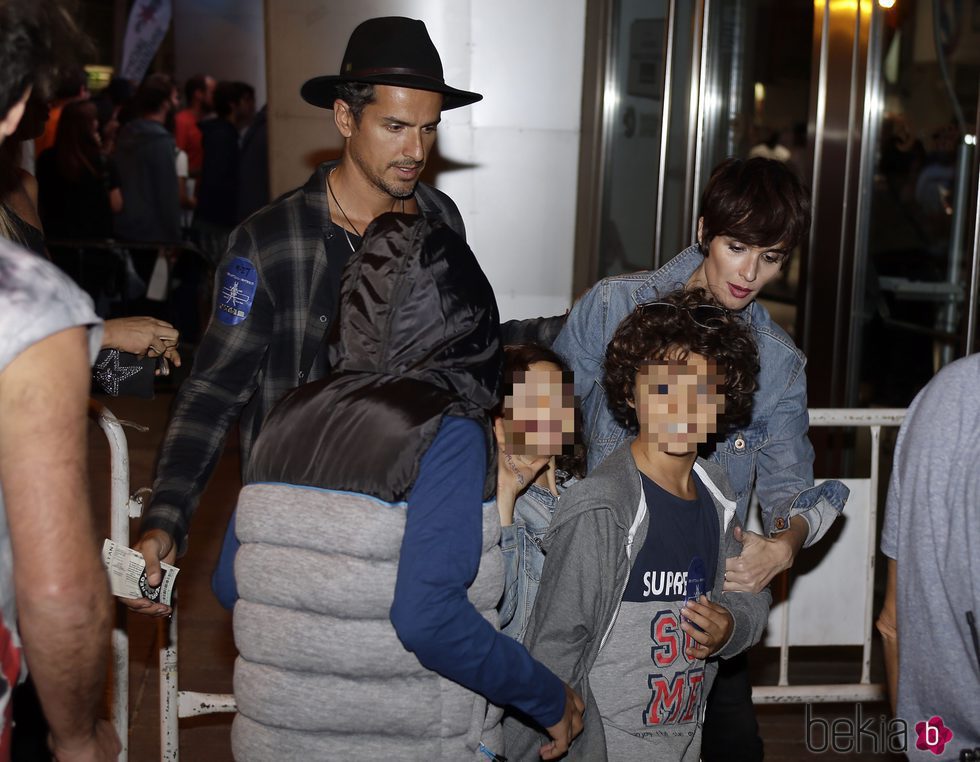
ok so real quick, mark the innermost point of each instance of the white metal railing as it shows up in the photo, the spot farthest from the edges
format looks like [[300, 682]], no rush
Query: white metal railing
[[864, 690], [174, 704], [122, 508]]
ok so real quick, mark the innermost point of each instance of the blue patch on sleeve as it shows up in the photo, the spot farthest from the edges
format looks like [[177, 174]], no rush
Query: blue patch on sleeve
[[237, 291]]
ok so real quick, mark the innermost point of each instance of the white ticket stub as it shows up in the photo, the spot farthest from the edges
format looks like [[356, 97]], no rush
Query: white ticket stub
[[127, 574]]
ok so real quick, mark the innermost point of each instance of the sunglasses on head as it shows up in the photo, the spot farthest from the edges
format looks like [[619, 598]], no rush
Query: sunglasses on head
[[709, 316]]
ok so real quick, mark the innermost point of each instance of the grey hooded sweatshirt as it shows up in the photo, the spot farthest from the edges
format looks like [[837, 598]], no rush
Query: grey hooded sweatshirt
[[600, 524]]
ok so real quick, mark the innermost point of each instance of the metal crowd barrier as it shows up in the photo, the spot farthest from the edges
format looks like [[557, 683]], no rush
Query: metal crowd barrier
[[175, 704], [111, 260], [122, 508], [780, 621]]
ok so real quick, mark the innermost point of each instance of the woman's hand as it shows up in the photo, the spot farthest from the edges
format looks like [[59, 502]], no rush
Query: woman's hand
[[514, 474], [142, 336]]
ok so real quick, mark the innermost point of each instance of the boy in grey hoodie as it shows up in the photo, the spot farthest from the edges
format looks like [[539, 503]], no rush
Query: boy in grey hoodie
[[630, 610]]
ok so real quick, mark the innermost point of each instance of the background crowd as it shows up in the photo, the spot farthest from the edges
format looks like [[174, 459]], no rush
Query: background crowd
[[131, 193]]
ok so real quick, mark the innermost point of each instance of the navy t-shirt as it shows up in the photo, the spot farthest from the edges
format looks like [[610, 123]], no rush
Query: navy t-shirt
[[680, 532]]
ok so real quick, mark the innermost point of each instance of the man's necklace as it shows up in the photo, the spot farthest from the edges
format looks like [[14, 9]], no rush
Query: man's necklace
[[346, 218]]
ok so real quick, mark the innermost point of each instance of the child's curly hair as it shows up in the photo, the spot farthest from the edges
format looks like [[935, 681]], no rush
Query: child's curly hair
[[672, 328]]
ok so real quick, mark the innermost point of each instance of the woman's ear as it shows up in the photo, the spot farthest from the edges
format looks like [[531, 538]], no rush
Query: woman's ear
[[701, 233]]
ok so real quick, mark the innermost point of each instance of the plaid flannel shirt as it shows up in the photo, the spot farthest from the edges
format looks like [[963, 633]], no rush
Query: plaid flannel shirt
[[243, 370]]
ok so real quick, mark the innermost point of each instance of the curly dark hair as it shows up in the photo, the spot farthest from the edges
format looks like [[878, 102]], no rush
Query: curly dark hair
[[520, 357], [655, 332]]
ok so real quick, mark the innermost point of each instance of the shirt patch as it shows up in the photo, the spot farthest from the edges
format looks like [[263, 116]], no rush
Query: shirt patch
[[237, 291]]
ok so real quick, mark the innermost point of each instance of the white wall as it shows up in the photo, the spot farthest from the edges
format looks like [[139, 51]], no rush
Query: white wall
[[223, 38], [510, 162]]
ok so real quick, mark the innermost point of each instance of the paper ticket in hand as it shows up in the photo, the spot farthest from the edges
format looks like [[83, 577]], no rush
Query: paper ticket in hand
[[127, 574]]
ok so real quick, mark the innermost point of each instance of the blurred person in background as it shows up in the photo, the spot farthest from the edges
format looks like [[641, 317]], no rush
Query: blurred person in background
[[199, 97], [113, 104], [78, 191], [253, 167], [216, 211], [72, 87], [145, 159]]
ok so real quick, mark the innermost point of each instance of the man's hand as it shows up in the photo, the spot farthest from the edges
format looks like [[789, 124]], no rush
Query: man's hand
[[762, 558], [156, 546], [567, 728], [102, 746], [716, 625]]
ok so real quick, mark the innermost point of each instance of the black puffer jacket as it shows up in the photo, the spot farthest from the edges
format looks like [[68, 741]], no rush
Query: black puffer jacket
[[417, 338]]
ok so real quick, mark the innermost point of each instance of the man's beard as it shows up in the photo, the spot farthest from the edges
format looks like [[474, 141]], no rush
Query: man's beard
[[393, 189], [399, 191]]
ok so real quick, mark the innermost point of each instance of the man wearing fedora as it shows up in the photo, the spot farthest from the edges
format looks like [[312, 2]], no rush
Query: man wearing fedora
[[277, 286]]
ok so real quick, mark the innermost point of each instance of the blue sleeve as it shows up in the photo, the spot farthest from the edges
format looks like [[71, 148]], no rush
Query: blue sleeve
[[440, 556], [784, 471], [223, 579], [581, 342]]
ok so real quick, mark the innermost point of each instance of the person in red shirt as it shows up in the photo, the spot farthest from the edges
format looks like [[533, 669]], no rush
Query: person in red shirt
[[199, 95]]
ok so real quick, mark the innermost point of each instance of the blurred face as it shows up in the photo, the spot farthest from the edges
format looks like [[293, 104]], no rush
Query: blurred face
[[735, 272], [91, 121], [678, 403], [207, 99], [394, 137], [539, 417], [244, 110]]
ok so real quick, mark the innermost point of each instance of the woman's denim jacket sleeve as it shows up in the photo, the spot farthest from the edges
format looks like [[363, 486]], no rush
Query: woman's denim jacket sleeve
[[772, 453], [523, 556]]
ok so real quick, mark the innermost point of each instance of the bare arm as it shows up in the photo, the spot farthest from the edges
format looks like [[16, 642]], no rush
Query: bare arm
[[887, 625], [116, 200], [186, 200], [61, 589]]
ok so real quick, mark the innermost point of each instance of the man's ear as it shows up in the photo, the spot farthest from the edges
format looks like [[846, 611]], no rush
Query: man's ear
[[343, 118]]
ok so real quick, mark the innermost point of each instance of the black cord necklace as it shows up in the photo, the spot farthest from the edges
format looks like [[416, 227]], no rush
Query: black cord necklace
[[334, 197], [346, 218]]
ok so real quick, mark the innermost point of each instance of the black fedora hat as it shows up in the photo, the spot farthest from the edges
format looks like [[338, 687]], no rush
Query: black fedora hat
[[389, 51]]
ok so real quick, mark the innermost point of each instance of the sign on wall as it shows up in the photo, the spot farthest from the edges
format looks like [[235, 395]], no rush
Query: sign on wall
[[147, 26]]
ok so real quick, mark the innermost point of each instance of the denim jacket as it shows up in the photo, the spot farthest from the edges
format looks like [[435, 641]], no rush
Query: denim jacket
[[521, 543], [772, 453]]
